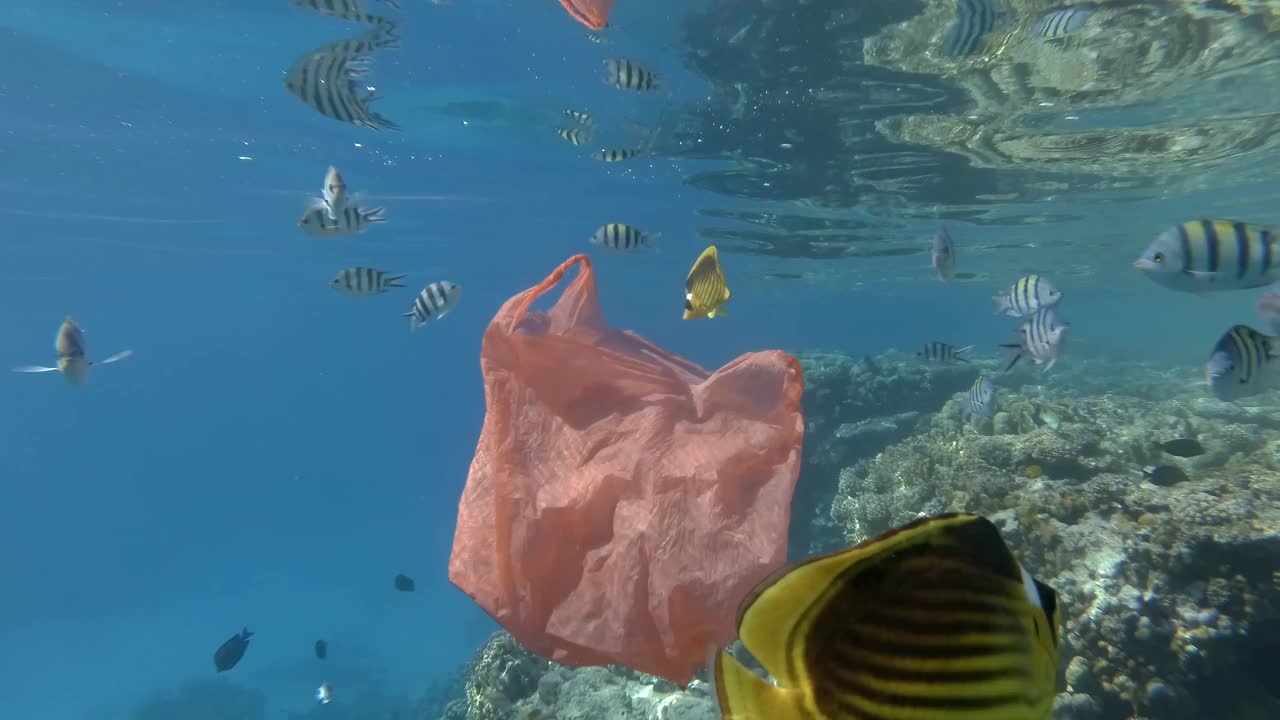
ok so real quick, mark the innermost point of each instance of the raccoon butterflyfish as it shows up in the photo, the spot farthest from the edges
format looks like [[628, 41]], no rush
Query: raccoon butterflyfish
[[705, 289], [935, 620]]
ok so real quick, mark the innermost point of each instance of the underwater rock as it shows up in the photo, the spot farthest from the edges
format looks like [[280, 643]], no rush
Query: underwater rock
[[1161, 588]]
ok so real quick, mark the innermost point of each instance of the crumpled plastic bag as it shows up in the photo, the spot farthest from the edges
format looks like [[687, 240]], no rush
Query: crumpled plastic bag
[[622, 500], [592, 13]]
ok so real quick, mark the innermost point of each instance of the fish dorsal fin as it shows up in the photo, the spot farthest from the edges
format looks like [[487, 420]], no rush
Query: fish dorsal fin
[[776, 620]]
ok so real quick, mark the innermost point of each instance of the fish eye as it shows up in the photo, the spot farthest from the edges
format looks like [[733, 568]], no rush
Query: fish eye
[[1159, 257]]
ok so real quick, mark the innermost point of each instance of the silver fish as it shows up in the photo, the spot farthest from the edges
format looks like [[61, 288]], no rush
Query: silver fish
[[944, 255], [935, 351], [335, 192], [623, 238], [1027, 295], [434, 302], [616, 155], [349, 221], [980, 402], [1041, 339], [70, 350], [630, 75], [1241, 363], [359, 281], [579, 135]]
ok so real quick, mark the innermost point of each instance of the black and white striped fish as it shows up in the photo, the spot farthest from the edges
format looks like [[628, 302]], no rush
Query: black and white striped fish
[[935, 351], [1213, 255], [434, 302], [1242, 363], [630, 75], [980, 401], [353, 10], [329, 81], [360, 281], [348, 221], [1026, 296], [1041, 339], [575, 135], [973, 19], [623, 238], [1063, 22], [618, 155], [578, 117]]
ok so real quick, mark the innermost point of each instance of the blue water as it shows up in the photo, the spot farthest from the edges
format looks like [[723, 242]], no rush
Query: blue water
[[275, 452]]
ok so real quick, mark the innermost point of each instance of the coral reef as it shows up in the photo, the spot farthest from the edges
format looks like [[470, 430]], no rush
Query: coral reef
[[1166, 592]]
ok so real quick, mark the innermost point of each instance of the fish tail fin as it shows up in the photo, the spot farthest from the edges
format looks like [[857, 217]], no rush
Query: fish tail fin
[[245, 633], [743, 695], [651, 239], [1002, 304], [394, 280], [960, 352], [1017, 355], [375, 215]]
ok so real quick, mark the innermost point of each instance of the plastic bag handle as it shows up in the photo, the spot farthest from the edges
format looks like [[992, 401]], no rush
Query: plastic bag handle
[[528, 297]]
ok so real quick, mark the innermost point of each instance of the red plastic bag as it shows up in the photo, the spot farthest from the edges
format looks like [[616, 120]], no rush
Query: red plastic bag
[[592, 13], [622, 500]]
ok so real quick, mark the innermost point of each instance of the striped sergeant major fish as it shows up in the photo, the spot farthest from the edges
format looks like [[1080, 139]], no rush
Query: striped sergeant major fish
[[973, 19], [1212, 255], [933, 620], [360, 281], [578, 117], [943, 255], [935, 351], [575, 135], [1026, 296], [623, 238], [73, 359], [1063, 22], [1041, 339], [353, 10], [328, 80], [434, 302], [980, 401], [1241, 364], [630, 75], [705, 290], [350, 220], [616, 155]]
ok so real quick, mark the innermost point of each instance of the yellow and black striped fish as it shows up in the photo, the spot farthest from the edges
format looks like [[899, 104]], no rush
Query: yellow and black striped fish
[[935, 620], [618, 155], [630, 75], [575, 135], [1211, 255], [705, 291], [1027, 295]]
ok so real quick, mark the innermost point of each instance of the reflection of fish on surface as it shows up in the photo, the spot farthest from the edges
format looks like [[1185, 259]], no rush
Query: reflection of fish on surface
[[73, 360], [352, 10], [328, 79], [973, 19], [935, 619]]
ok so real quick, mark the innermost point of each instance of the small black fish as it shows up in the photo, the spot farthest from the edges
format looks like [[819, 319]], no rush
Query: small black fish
[[232, 650], [322, 649], [1183, 447], [404, 583], [1165, 475]]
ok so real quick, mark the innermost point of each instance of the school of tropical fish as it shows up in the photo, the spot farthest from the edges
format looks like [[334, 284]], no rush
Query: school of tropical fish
[[934, 619]]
